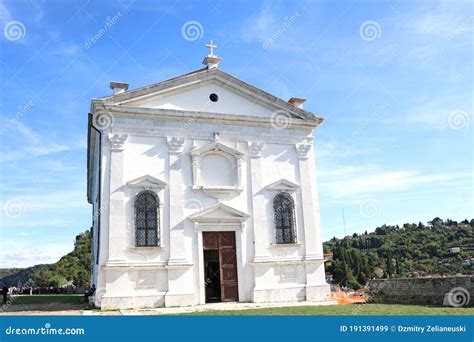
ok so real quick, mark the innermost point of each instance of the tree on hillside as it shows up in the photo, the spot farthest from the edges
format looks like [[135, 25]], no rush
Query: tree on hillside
[[73, 268], [436, 223], [415, 250]]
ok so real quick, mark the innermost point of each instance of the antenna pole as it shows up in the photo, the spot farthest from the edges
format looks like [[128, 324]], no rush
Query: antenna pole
[[344, 222]]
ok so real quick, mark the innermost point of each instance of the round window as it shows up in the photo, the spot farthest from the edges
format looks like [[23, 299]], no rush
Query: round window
[[213, 97]]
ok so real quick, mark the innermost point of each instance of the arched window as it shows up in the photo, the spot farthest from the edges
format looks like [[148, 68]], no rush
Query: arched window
[[284, 214], [147, 220]]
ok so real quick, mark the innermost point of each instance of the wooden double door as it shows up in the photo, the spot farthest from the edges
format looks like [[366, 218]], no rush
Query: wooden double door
[[220, 267]]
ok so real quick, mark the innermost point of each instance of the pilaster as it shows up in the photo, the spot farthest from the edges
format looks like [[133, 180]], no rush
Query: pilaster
[[260, 226], [313, 243], [180, 276], [117, 217], [176, 215]]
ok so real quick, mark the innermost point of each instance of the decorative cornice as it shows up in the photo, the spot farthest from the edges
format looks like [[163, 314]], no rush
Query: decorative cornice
[[200, 76], [303, 149], [197, 116], [227, 214], [282, 185], [110, 265], [255, 149], [286, 245], [276, 261], [175, 144], [147, 182], [117, 141], [216, 146], [219, 192], [178, 264]]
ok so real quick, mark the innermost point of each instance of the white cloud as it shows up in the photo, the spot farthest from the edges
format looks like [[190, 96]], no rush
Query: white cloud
[[66, 50], [39, 223], [259, 26], [271, 26], [31, 144], [330, 148], [73, 198], [345, 170], [369, 184], [442, 20], [25, 254], [4, 13], [33, 151], [27, 133], [431, 112]]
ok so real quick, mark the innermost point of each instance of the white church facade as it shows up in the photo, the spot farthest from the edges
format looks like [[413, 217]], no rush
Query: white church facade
[[203, 189]]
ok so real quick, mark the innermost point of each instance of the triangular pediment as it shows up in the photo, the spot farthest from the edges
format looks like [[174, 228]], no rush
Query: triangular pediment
[[282, 185], [219, 212], [216, 146], [191, 93], [147, 182]]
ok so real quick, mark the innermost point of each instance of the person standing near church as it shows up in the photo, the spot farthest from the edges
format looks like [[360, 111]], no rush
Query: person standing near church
[[5, 293]]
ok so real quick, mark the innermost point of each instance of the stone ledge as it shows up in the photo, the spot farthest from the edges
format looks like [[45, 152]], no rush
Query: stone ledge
[[286, 245]]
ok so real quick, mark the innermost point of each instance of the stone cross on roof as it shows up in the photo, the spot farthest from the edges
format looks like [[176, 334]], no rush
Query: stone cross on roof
[[211, 46], [211, 60]]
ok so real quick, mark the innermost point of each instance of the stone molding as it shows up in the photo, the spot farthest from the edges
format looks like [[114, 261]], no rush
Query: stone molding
[[175, 144], [282, 185], [303, 149], [218, 192], [117, 141], [255, 149]]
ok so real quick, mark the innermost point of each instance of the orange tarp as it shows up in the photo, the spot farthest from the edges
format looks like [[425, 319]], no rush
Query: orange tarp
[[347, 298]]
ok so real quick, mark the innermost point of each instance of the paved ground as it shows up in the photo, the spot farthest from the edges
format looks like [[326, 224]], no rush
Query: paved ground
[[217, 306], [58, 309]]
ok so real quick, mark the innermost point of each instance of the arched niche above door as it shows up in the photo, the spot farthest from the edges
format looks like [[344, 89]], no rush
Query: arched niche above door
[[217, 170]]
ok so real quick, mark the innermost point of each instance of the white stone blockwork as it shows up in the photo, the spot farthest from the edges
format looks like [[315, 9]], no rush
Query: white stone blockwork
[[209, 229]]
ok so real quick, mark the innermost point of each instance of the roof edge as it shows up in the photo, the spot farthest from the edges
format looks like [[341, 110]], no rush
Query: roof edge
[[193, 76]]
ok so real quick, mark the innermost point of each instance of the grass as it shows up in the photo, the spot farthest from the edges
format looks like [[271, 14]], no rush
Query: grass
[[350, 310], [46, 299]]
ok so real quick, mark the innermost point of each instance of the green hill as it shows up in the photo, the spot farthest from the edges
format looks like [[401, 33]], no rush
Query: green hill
[[73, 268], [439, 248], [390, 251]]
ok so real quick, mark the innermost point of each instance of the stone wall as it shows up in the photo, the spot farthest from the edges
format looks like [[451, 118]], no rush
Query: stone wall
[[453, 291]]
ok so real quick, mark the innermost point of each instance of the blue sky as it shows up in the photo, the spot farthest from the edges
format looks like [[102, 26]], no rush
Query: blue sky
[[392, 79]]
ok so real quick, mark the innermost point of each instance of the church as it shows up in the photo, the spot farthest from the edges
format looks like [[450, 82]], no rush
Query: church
[[203, 189]]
